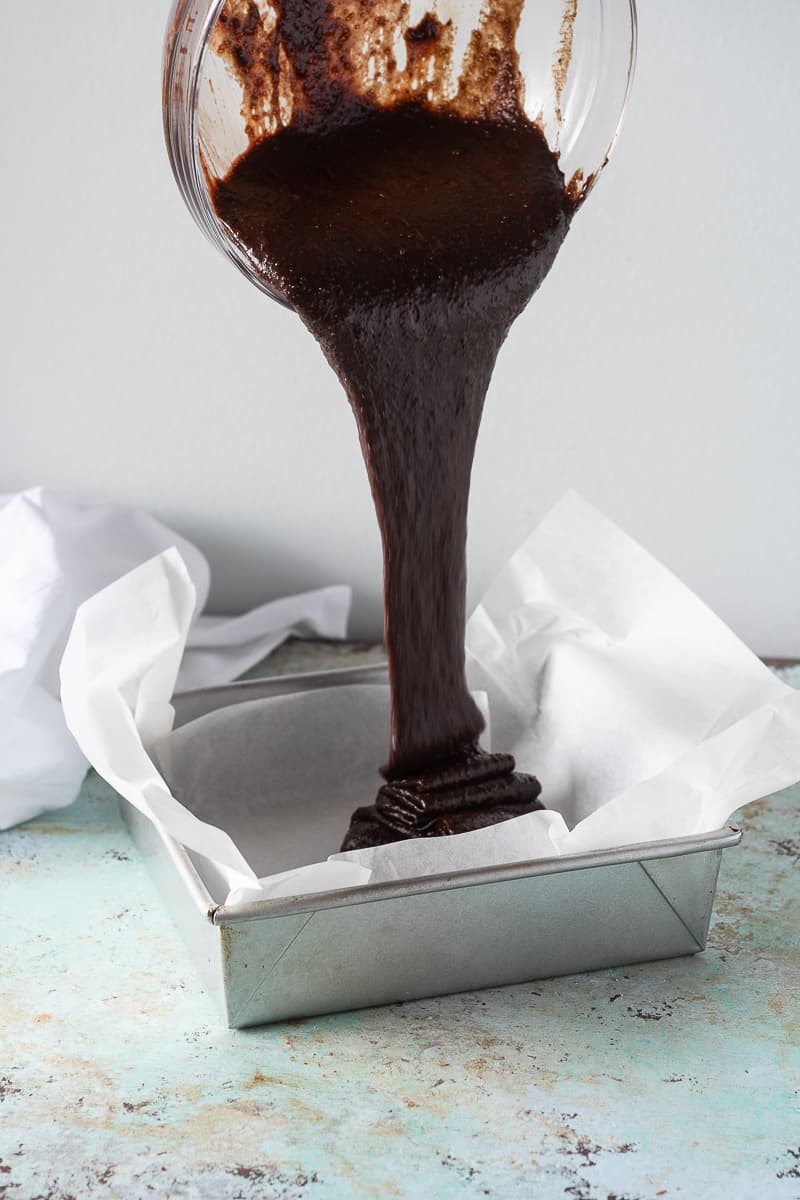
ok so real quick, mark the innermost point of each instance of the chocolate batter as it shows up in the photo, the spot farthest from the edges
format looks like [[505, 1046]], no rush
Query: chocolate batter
[[408, 231]]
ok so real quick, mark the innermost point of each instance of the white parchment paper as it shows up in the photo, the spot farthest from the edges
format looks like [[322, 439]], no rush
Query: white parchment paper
[[642, 714], [56, 551]]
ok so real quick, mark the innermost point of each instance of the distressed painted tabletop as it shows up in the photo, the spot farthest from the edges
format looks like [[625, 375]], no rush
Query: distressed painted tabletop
[[119, 1079]]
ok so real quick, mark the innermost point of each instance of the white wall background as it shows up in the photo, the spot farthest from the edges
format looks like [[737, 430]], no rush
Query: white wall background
[[657, 370]]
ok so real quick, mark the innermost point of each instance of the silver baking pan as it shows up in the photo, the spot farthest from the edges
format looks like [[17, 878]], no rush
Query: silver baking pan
[[271, 960]]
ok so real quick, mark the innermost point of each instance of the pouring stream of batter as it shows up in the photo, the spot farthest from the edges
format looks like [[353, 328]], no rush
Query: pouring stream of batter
[[408, 227]]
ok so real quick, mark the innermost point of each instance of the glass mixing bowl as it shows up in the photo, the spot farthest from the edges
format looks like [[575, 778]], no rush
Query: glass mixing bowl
[[576, 56]]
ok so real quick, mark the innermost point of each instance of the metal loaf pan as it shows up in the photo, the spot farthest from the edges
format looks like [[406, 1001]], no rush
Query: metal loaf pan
[[275, 959]]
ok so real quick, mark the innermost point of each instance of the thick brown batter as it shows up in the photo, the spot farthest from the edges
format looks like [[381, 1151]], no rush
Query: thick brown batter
[[408, 237]]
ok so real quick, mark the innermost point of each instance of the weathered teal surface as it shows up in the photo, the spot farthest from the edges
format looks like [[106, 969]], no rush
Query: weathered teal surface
[[118, 1077]]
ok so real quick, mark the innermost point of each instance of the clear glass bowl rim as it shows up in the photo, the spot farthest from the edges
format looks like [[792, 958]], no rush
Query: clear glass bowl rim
[[188, 29]]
